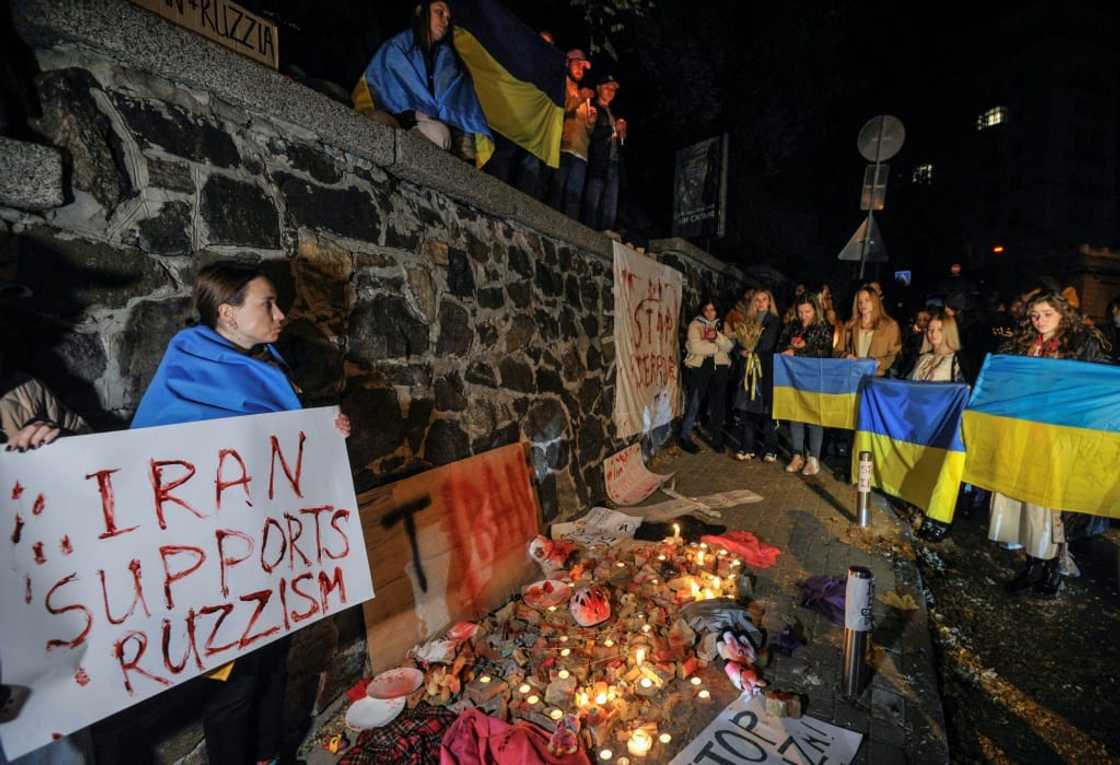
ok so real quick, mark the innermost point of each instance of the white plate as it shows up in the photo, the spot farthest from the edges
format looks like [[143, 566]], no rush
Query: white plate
[[394, 683], [368, 713]]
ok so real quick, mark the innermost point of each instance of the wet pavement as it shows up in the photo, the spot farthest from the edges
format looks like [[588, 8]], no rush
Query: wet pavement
[[811, 520]]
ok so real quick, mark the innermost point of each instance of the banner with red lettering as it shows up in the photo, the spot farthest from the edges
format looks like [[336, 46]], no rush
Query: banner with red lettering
[[133, 561], [647, 304]]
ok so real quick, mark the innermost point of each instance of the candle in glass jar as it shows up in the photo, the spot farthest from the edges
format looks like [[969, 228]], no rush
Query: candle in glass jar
[[640, 743]]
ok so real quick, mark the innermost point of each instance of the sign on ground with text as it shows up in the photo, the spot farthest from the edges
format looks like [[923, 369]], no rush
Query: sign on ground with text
[[133, 561], [647, 306]]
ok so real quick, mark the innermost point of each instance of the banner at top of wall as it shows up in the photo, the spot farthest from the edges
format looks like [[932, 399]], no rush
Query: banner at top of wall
[[647, 306], [226, 23]]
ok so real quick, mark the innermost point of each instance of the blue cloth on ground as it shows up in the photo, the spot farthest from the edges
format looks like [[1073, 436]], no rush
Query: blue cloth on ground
[[203, 376], [398, 77]]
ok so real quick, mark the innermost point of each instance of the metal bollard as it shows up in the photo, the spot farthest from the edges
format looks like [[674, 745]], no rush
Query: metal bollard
[[863, 489], [858, 622]]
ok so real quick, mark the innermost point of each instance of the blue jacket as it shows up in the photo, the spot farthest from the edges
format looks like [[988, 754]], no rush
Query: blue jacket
[[203, 376]]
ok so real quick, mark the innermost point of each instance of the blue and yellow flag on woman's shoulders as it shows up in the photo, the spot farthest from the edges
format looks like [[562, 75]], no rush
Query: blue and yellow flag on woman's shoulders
[[1047, 431], [913, 431], [819, 391]]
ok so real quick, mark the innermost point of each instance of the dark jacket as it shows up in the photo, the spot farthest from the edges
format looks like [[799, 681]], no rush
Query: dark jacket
[[817, 338], [603, 149], [764, 389]]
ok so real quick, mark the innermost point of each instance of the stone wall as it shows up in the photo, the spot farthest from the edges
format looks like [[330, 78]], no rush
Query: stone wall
[[447, 313]]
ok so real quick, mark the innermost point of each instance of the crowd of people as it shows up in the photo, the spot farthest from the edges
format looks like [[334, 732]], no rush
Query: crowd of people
[[417, 81], [731, 362]]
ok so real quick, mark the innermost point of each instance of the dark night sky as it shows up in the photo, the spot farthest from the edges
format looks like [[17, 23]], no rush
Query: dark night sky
[[792, 82]]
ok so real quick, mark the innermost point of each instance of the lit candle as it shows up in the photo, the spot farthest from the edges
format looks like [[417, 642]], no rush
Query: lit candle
[[563, 674], [640, 743], [556, 714], [565, 651], [646, 628], [525, 688], [653, 581], [534, 699], [601, 699], [704, 694], [716, 583], [639, 655], [696, 681], [484, 679], [552, 608], [620, 564], [703, 545], [608, 642], [676, 532], [736, 562], [700, 558], [721, 552], [664, 738], [605, 754], [563, 638], [623, 761]]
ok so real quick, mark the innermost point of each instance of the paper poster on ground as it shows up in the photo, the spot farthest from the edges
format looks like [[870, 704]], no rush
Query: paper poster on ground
[[743, 732], [628, 480], [600, 526], [136, 560], [647, 306]]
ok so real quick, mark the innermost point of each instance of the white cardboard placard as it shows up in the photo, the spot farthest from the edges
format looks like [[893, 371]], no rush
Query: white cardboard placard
[[244, 529]]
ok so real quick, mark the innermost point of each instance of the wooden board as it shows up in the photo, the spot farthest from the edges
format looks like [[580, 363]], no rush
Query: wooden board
[[449, 544], [224, 22]]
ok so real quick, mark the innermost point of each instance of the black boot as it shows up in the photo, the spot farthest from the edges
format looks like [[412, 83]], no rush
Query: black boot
[[1050, 583], [717, 442], [688, 445], [933, 531], [1030, 574]]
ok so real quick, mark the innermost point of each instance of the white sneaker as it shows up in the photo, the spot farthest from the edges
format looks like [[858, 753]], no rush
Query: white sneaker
[[795, 464], [744, 456], [812, 467], [770, 457]]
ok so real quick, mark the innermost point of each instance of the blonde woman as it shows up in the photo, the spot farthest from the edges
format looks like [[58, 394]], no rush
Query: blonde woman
[[757, 339], [937, 360], [871, 333]]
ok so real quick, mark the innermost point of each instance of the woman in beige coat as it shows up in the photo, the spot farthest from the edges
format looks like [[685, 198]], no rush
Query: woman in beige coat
[[871, 333], [706, 368]]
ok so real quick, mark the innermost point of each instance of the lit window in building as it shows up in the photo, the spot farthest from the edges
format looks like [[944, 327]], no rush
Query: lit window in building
[[923, 174], [994, 116]]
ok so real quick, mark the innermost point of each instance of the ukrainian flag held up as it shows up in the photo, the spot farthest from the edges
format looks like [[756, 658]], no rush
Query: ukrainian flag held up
[[819, 391]]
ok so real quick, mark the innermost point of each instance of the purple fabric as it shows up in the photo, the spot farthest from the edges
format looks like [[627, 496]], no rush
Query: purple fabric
[[787, 642], [824, 594]]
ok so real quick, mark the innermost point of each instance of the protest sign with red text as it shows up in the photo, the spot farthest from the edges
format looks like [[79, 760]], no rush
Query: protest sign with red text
[[133, 561]]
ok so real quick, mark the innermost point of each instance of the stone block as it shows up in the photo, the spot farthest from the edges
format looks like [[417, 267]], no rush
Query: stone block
[[423, 289], [322, 275], [492, 298], [416, 376], [316, 361], [348, 212], [239, 213], [591, 442], [482, 373], [547, 420], [460, 277], [487, 335], [419, 417], [173, 176], [30, 176], [503, 436], [384, 328], [521, 293], [68, 276], [72, 121], [548, 381], [169, 232], [520, 262], [379, 429], [455, 332], [177, 132], [517, 375], [150, 326], [446, 443], [550, 283], [312, 160], [520, 333], [449, 393]]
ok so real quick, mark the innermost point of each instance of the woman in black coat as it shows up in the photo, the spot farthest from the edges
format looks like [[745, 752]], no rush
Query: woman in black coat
[[757, 338]]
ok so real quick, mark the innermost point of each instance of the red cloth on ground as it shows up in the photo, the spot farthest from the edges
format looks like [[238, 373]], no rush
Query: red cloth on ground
[[747, 546], [478, 739]]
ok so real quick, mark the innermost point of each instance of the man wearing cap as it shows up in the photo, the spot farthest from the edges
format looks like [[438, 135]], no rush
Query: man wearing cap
[[604, 159], [579, 116]]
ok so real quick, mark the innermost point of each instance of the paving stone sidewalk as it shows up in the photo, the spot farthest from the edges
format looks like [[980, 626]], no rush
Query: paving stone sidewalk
[[811, 520]]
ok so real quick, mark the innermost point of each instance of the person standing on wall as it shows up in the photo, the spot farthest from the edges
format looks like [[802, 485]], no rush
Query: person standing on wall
[[579, 115], [604, 161], [707, 369]]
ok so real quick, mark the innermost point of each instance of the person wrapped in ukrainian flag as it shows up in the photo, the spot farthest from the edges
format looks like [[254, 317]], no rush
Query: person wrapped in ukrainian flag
[[418, 78]]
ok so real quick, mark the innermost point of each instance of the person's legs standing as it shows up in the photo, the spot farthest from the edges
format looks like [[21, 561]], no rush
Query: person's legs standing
[[797, 443], [717, 405], [813, 461], [769, 437], [573, 189], [559, 181], [592, 197]]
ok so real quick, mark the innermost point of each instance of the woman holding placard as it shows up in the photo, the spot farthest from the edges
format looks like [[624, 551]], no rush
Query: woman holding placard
[[224, 366]]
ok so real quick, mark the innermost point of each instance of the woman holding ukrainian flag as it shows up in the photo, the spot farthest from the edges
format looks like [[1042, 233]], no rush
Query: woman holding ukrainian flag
[[1053, 330]]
